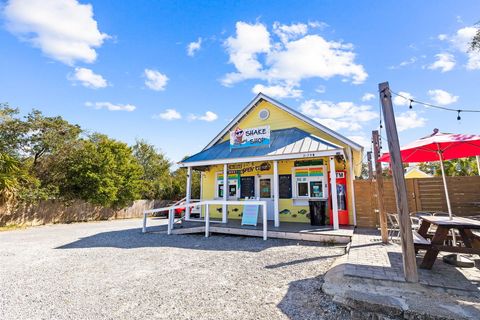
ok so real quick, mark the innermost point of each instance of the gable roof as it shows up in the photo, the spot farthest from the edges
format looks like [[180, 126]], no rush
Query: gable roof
[[285, 108], [283, 142]]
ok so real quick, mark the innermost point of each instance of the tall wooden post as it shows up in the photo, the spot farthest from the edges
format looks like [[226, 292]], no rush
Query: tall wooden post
[[406, 238], [369, 161], [379, 186]]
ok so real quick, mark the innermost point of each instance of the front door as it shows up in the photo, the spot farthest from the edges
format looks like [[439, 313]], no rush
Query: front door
[[264, 191]]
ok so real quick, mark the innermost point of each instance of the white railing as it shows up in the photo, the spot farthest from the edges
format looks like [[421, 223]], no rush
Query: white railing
[[206, 203]]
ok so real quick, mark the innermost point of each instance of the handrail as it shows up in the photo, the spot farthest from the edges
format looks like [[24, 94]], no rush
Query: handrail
[[206, 203]]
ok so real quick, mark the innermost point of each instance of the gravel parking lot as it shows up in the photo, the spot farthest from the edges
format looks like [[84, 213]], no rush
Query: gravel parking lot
[[109, 270]]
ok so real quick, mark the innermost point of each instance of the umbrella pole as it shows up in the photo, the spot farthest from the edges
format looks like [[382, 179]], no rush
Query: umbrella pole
[[454, 238]]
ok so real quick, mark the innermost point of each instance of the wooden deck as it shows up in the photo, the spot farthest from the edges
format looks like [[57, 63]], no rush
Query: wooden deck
[[286, 230]]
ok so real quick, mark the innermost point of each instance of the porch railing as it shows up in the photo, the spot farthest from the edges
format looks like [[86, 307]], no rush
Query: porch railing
[[207, 204]]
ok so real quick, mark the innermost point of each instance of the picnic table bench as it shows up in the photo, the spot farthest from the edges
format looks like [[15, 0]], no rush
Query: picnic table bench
[[444, 224]]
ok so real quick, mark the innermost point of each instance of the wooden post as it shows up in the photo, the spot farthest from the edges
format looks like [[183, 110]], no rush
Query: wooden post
[[188, 194], [333, 192], [379, 186], [207, 220], [370, 169], [352, 187], [276, 194], [225, 194], [144, 226], [406, 238]]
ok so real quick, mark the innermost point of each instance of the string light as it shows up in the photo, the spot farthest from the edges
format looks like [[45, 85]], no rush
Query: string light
[[411, 101]]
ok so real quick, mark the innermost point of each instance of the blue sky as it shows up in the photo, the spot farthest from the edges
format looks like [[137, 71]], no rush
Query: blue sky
[[124, 68]]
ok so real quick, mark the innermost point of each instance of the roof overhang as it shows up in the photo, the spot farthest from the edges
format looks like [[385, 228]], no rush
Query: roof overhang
[[290, 156]]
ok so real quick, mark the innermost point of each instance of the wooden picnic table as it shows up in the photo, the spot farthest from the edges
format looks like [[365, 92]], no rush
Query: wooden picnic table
[[444, 225]]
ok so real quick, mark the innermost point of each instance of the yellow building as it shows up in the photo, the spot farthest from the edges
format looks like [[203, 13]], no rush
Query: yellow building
[[415, 172], [273, 153]]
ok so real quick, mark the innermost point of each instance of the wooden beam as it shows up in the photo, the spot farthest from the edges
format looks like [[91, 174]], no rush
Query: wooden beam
[[226, 191], [276, 194], [188, 195], [370, 168], [333, 192], [406, 238], [379, 186]]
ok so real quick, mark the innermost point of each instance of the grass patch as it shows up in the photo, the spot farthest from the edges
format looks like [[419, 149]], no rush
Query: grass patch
[[11, 227]]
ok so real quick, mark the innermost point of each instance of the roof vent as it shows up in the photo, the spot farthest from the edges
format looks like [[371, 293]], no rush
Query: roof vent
[[264, 114]]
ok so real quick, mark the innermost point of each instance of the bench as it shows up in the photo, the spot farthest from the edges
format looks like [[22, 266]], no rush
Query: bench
[[419, 241]]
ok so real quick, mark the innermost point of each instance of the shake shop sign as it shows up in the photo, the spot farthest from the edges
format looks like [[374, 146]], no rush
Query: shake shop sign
[[251, 137]]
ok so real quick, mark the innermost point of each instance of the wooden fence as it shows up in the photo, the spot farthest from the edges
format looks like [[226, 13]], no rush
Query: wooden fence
[[52, 211], [425, 194]]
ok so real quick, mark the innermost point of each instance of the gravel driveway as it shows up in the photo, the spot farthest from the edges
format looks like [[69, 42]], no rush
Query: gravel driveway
[[109, 270]]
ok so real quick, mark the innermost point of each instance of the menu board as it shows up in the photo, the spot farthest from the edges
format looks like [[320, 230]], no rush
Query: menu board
[[247, 187], [285, 186], [250, 214]]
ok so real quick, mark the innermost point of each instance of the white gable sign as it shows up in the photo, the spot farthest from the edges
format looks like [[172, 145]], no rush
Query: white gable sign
[[241, 138]]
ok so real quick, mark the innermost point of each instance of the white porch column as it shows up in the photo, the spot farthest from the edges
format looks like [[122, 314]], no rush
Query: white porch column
[[333, 192], [188, 192], [276, 194], [351, 187], [225, 193]]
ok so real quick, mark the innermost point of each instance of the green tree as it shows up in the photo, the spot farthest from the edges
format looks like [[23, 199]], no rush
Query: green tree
[[455, 167], [180, 184], [13, 177], [102, 171], [157, 180]]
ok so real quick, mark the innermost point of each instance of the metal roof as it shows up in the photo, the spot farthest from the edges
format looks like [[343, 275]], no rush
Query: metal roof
[[282, 142]]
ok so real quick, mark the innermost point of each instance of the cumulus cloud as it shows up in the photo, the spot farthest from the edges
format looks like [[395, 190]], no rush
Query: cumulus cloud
[[361, 140], [442, 97], [209, 116], [110, 106], [445, 62], [88, 78], [289, 54], [368, 96], [409, 120], [278, 91], [460, 41], [400, 101], [194, 46], [64, 30], [341, 115], [155, 80], [168, 114], [404, 63]]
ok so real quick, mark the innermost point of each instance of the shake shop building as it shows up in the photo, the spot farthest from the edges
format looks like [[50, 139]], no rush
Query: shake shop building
[[270, 152]]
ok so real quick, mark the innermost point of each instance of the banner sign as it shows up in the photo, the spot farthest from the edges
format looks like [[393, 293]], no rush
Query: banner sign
[[250, 214], [309, 172], [251, 137]]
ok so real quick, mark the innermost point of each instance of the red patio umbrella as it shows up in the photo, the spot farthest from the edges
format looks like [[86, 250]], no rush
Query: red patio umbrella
[[439, 147]]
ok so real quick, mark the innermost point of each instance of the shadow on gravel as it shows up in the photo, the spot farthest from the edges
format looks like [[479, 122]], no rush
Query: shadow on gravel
[[134, 238], [306, 300]]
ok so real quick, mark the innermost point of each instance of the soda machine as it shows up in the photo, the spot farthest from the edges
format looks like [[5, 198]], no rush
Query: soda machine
[[341, 198]]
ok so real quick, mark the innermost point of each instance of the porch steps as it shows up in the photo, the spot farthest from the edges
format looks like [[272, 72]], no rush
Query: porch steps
[[342, 236]]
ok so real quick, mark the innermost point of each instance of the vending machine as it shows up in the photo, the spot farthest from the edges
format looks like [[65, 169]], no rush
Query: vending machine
[[341, 198]]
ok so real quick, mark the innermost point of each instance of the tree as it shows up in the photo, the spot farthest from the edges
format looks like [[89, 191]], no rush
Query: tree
[[180, 184], [475, 43], [102, 171], [455, 167], [157, 181]]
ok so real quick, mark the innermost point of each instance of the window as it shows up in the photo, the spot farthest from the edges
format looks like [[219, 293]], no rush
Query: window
[[232, 186], [247, 187], [302, 189], [309, 182]]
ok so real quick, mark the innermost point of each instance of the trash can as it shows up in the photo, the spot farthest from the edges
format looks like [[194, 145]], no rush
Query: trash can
[[317, 212]]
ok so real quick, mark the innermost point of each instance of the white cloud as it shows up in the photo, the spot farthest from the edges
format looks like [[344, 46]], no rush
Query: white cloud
[[341, 115], [296, 56], [194, 46], [209, 116], [368, 96], [405, 63], [278, 91], [399, 101], [361, 140], [88, 78], [442, 97], [64, 30], [110, 106], [460, 41], [409, 120], [155, 80], [445, 62], [168, 114], [321, 89]]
